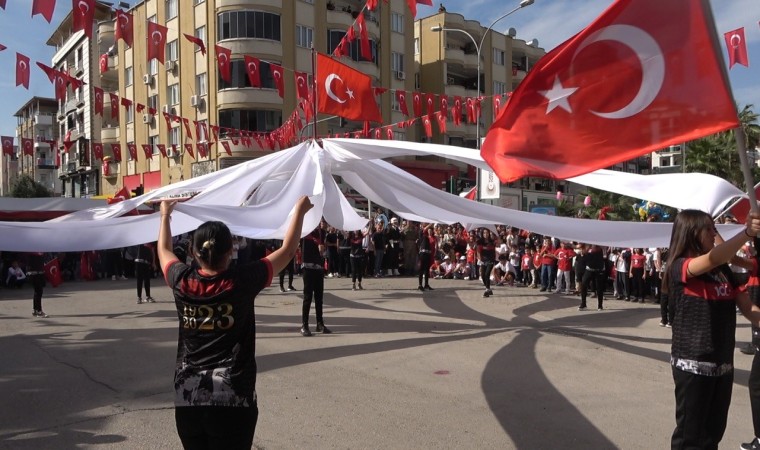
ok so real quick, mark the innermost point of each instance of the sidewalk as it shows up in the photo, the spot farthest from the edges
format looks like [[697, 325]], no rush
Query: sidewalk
[[443, 369]]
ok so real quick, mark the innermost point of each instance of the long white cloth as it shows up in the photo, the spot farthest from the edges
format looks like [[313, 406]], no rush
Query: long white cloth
[[256, 199]]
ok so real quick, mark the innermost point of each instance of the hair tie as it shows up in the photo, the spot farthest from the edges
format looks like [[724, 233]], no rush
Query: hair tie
[[208, 244]]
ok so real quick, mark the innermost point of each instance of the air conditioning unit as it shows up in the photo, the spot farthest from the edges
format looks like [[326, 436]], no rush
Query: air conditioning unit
[[400, 75], [79, 72], [196, 101], [147, 118], [170, 66], [147, 79], [170, 152], [80, 103], [61, 116], [166, 109]]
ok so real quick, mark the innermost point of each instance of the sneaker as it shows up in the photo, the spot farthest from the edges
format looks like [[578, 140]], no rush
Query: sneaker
[[429, 288], [543, 289], [466, 278], [282, 289], [321, 328], [748, 349], [305, 331], [754, 445], [360, 287], [122, 277], [485, 293], [490, 292], [42, 314], [150, 299], [663, 324], [668, 326], [354, 287], [329, 275], [581, 308], [291, 288], [113, 277], [139, 300], [601, 308]]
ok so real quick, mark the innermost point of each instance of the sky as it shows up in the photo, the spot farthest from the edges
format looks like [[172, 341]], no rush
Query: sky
[[549, 21]]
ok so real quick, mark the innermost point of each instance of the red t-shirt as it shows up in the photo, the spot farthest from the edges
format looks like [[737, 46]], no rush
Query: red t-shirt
[[637, 261], [526, 262], [537, 260], [548, 259], [564, 259]]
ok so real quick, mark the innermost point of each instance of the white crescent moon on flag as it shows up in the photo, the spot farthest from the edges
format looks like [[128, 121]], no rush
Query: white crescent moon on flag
[[7, 143], [53, 270], [252, 64], [650, 57], [222, 58], [735, 40], [153, 36], [22, 64], [328, 87], [84, 7], [277, 74], [300, 81], [125, 22]]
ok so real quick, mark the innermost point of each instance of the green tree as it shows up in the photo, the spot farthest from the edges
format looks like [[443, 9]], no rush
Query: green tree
[[26, 187]]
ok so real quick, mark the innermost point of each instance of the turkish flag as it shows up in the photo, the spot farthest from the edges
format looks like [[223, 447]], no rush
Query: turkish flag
[[277, 76], [44, 7], [401, 99], [389, 133], [739, 209], [132, 148], [456, 110], [27, 145], [114, 105], [351, 34], [417, 104], [440, 117], [252, 69], [156, 41], [124, 28], [189, 150], [302, 85], [168, 120], [98, 107], [632, 82], [53, 272], [430, 101], [189, 133], [496, 105], [470, 110], [116, 150], [215, 130], [139, 107], [2, 4], [196, 41], [148, 150], [7, 144], [103, 63], [444, 104], [344, 91], [162, 149], [471, 194], [201, 147], [224, 62], [126, 103], [737, 48], [97, 150], [428, 127], [120, 195], [83, 14], [364, 46], [22, 70], [227, 148]]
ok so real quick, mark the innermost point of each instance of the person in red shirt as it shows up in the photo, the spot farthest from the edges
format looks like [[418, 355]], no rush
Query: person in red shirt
[[536, 272], [526, 264], [548, 265], [564, 256], [637, 274]]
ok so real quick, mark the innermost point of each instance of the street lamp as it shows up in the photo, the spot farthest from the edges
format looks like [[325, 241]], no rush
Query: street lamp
[[478, 48]]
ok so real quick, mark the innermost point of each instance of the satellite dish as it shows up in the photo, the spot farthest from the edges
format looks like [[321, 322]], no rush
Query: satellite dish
[[532, 43], [511, 32]]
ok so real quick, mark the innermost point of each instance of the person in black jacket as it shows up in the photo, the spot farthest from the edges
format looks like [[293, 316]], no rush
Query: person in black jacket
[[594, 271], [35, 271], [313, 247]]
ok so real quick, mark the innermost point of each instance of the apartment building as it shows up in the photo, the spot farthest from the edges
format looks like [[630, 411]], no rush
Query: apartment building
[[35, 120], [76, 122]]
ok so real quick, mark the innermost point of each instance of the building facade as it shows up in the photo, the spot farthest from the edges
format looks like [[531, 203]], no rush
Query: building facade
[[35, 120]]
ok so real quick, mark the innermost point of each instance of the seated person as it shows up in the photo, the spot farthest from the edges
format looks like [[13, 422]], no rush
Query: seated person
[[446, 268], [462, 269], [16, 276], [435, 268], [503, 272]]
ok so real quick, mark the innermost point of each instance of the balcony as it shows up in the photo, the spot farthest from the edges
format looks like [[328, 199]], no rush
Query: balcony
[[112, 74], [43, 119], [46, 163], [243, 97], [70, 105], [248, 46], [340, 19], [470, 61], [222, 4], [453, 90], [110, 169], [42, 145], [454, 55], [106, 33], [109, 135]]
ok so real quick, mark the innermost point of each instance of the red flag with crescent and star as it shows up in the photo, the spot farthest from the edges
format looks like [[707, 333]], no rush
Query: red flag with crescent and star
[[456, 110], [189, 150], [162, 149], [98, 107], [156, 41], [132, 148], [44, 7], [737, 48], [223, 61], [7, 144], [252, 69], [103, 63], [120, 195], [302, 85], [116, 150], [97, 150], [27, 146], [344, 91], [401, 99], [417, 104], [22, 70], [632, 82], [83, 14], [148, 150], [277, 77], [197, 41], [114, 105], [364, 47], [53, 272], [124, 28]]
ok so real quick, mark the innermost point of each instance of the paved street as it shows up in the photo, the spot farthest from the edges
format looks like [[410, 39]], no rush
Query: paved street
[[447, 369]]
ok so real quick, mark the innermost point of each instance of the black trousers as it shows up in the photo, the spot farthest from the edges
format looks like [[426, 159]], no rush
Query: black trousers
[[425, 262], [701, 409], [754, 384], [216, 427], [38, 283], [289, 269], [344, 256], [637, 283], [485, 273], [357, 268], [667, 311], [599, 278], [142, 273], [313, 287]]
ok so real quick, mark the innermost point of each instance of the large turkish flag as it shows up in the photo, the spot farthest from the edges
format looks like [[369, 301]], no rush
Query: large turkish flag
[[644, 75], [156, 41], [345, 92]]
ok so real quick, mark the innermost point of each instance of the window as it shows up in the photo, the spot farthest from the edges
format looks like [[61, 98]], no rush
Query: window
[[240, 76], [416, 46], [174, 136], [304, 36], [153, 67], [129, 154], [172, 51], [153, 142], [200, 33], [128, 77], [335, 36], [153, 101], [395, 106], [172, 94], [198, 2], [201, 84], [399, 135], [204, 129], [499, 88], [397, 62], [171, 9], [498, 57], [130, 114], [397, 22], [248, 24], [80, 58], [250, 119]]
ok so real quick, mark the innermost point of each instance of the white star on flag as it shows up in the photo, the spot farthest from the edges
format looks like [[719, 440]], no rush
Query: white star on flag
[[558, 96]]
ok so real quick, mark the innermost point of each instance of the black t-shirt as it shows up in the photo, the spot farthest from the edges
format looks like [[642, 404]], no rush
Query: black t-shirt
[[378, 238], [310, 247], [487, 250], [216, 349]]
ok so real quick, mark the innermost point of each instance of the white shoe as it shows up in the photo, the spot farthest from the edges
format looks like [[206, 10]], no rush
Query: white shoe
[[329, 275], [123, 277]]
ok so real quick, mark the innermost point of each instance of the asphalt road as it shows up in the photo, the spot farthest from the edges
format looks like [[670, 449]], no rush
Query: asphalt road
[[447, 369]]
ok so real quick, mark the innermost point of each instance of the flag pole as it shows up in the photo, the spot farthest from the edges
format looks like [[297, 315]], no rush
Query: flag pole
[[314, 95]]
